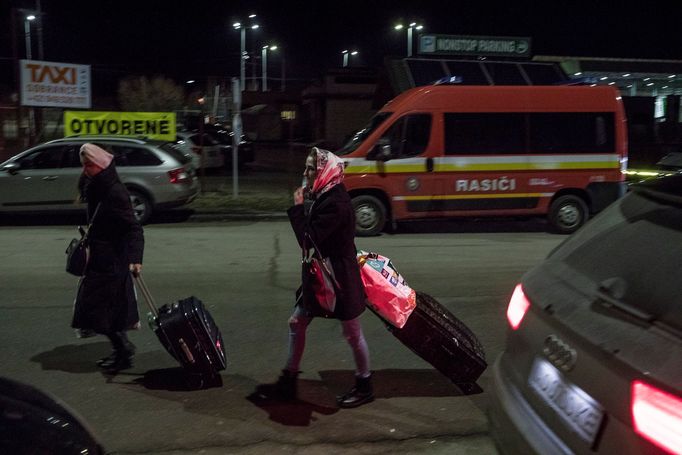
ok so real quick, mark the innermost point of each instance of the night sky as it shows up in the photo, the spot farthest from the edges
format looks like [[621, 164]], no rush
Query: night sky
[[194, 39]]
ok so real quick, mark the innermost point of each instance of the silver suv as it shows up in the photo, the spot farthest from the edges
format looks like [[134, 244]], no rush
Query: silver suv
[[45, 178]]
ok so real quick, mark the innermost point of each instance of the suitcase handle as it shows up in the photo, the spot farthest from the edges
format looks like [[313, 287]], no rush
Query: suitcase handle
[[137, 278]]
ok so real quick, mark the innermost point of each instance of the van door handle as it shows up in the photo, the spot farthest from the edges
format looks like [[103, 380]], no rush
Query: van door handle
[[50, 177], [429, 164]]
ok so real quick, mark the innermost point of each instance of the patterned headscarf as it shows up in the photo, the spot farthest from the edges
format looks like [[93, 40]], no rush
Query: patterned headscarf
[[329, 171], [96, 155]]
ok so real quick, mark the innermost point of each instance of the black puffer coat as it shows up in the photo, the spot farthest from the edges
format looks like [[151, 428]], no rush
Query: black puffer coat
[[106, 300], [331, 225]]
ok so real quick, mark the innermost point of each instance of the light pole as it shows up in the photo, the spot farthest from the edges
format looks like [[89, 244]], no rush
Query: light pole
[[264, 60], [346, 56], [27, 31], [243, 54], [410, 31]]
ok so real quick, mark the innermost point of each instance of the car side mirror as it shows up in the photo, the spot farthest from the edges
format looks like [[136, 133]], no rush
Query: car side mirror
[[381, 151], [12, 168]]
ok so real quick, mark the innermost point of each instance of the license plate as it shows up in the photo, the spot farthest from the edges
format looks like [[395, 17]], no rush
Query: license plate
[[576, 408]]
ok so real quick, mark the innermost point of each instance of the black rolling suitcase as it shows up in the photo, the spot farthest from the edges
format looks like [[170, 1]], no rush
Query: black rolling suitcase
[[437, 336], [188, 332]]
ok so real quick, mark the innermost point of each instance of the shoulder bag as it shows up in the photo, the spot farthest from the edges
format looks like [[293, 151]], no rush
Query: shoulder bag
[[77, 252]]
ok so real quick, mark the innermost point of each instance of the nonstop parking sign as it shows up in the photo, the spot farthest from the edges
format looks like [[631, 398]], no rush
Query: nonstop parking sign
[[151, 125], [485, 46]]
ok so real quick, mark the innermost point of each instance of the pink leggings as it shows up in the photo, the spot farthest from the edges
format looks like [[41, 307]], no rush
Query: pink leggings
[[352, 331]]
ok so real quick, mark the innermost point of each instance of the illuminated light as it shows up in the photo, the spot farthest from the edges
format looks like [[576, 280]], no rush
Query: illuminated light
[[665, 86], [593, 85], [30, 17], [518, 306], [413, 24], [237, 25], [419, 27], [398, 27], [603, 78], [646, 79], [354, 53], [630, 86], [671, 76], [255, 26], [251, 16], [191, 81], [579, 73], [611, 83], [178, 175], [626, 75], [657, 416], [649, 84]]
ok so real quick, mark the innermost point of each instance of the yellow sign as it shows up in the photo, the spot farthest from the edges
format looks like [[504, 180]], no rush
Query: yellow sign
[[151, 125]]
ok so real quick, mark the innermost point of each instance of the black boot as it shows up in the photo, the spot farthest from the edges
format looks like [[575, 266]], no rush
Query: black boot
[[360, 394], [122, 357], [284, 389]]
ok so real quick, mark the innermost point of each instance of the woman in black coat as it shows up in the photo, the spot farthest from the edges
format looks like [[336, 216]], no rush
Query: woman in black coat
[[106, 300], [329, 223]]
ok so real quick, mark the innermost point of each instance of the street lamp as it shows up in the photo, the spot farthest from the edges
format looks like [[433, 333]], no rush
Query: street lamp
[[27, 30], [346, 57], [243, 55], [410, 29], [264, 60]]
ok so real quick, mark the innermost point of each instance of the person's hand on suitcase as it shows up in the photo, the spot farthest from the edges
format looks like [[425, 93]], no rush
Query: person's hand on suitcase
[[135, 268]]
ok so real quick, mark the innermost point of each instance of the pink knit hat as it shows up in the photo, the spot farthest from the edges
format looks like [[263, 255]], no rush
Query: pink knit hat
[[96, 155]]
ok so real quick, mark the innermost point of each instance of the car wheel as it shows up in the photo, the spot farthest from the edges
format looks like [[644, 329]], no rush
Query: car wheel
[[142, 208], [567, 213], [370, 215]]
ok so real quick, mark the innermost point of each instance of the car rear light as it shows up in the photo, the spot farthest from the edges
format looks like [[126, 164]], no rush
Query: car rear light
[[518, 305], [178, 175], [657, 416]]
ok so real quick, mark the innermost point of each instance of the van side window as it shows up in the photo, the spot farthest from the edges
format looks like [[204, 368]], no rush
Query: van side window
[[490, 133], [409, 136], [572, 132]]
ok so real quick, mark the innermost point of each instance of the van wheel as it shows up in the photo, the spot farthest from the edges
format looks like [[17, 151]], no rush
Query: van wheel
[[567, 213], [370, 215], [142, 208]]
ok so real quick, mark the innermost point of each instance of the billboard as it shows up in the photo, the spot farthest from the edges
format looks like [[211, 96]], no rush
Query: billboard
[[485, 46], [54, 84], [151, 125]]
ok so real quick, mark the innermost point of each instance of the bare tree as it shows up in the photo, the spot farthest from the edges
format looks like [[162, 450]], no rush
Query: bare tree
[[159, 94]]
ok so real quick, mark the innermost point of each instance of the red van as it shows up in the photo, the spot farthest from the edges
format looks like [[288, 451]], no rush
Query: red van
[[462, 151]]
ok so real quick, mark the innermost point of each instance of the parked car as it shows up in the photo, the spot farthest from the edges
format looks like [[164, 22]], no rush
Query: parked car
[[205, 147], [593, 362], [226, 137], [45, 177], [33, 422]]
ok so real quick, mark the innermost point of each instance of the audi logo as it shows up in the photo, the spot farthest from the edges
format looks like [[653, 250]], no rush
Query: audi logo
[[560, 354]]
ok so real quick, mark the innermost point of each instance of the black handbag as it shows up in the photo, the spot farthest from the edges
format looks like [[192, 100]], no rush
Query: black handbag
[[77, 251]]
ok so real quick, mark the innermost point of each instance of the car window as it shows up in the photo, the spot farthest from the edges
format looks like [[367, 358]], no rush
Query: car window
[[409, 136], [127, 155], [639, 241], [71, 157], [175, 153], [45, 158]]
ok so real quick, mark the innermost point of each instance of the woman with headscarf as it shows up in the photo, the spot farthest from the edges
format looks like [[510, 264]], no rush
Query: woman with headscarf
[[330, 223], [106, 302]]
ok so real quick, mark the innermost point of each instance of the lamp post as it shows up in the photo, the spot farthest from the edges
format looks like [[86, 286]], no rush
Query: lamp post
[[410, 31], [27, 31], [243, 54], [346, 56], [264, 60]]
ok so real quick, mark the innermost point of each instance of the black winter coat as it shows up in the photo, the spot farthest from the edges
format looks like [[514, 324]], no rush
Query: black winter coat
[[106, 299], [331, 225]]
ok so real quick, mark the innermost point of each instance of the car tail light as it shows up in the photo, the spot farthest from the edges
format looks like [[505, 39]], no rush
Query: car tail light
[[657, 416], [178, 175], [518, 305]]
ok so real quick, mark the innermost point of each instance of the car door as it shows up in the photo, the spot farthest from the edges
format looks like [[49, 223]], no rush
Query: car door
[[40, 182]]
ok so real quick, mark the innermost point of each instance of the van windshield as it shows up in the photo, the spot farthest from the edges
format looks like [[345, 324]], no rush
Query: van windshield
[[359, 136]]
